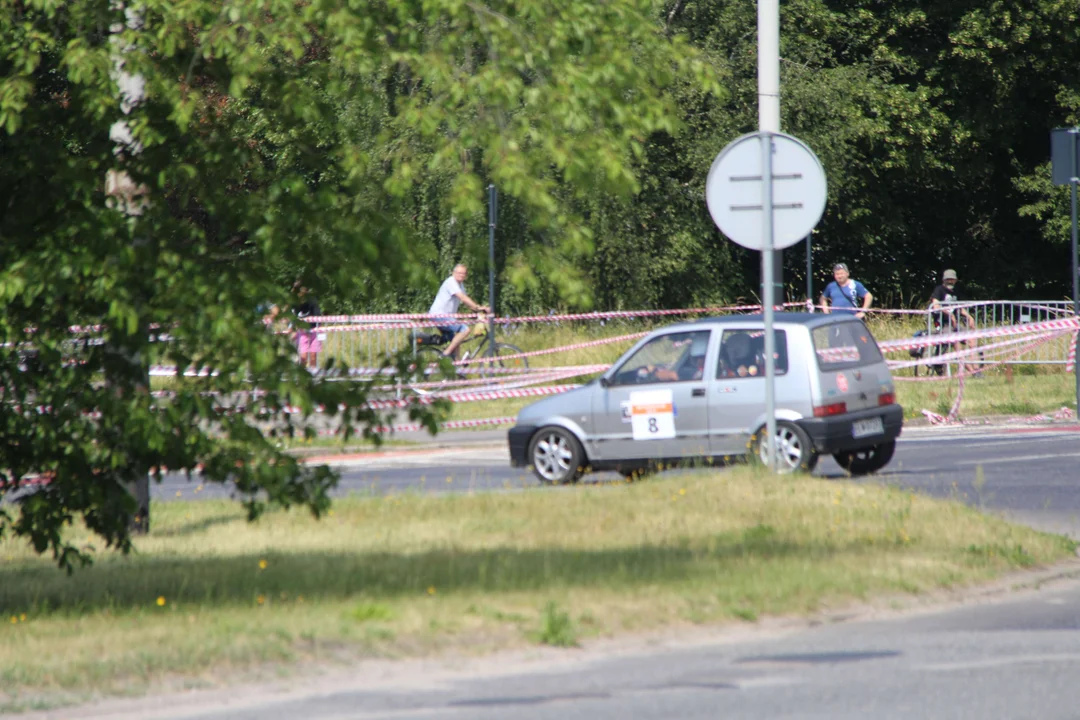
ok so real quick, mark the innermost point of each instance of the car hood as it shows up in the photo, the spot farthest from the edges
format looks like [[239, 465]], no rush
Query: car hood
[[572, 402]]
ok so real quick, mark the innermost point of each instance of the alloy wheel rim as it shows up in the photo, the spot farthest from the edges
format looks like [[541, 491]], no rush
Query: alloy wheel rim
[[552, 457], [788, 450]]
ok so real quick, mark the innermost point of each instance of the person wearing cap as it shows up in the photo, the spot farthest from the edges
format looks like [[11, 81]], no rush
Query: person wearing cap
[[844, 294], [946, 294]]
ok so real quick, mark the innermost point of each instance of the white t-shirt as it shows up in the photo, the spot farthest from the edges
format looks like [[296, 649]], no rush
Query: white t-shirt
[[447, 300]]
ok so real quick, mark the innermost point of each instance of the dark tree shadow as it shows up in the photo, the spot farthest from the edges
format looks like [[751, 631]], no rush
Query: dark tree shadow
[[198, 526], [123, 583]]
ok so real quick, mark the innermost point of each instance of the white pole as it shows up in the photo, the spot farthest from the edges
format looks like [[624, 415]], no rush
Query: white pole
[[768, 65], [768, 122]]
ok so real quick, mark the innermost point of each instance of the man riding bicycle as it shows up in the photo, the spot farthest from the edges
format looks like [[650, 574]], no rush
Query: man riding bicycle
[[946, 294], [950, 320], [450, 296]]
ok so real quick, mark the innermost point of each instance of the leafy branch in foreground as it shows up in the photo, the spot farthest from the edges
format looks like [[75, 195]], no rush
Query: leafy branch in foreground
[[277, 141]]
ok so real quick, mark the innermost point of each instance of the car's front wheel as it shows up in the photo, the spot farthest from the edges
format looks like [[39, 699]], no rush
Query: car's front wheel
[[794, 449], [556, 456], [866, 460]]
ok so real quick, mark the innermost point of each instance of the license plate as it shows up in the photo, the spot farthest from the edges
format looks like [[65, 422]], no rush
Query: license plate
[[870, 426]]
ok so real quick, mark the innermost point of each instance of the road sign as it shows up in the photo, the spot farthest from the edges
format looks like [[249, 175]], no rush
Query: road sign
[[1064, 155], [733, 191], [1065, 169]]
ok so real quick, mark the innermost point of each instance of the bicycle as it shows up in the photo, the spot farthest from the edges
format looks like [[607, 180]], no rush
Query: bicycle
[[428, 348]]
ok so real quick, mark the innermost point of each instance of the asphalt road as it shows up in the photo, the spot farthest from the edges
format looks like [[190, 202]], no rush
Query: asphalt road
[[1016, 656], [1030, 473]]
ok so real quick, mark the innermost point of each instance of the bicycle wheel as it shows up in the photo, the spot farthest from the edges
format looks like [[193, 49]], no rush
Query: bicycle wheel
[[427, 359], [484, 361]]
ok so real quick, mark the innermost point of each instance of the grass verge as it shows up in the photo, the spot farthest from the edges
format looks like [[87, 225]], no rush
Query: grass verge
[[208, 596]]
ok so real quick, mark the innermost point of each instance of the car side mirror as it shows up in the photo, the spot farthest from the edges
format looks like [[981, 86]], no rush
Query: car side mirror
[[604, 382]]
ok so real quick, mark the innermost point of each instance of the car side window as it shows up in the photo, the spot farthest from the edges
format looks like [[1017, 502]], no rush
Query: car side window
[[675, 357], [742, 354]]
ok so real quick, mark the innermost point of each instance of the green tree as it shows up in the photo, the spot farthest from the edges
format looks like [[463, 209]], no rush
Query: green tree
[[278, 140]]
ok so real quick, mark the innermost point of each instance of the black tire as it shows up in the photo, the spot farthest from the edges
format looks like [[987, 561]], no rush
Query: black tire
[[426, 357], [867, 460], [556, 456], [794, 450]]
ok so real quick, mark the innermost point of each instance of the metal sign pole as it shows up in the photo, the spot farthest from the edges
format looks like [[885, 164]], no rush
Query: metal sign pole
[[493, 214], [1073, 180], [768, 76], [809, 273], [768, 296]]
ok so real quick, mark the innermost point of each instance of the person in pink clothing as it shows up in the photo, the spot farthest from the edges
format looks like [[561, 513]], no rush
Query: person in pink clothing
[[308, 342]]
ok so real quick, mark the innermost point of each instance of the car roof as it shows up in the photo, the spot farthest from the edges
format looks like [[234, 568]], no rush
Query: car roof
[[790, 318], [810, 320]]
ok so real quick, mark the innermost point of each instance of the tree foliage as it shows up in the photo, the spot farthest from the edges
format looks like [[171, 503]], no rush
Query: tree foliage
[[349, 145], [279, 141]]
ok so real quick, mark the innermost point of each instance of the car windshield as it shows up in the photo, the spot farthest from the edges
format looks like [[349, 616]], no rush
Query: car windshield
[[844, 345], [672, 357]]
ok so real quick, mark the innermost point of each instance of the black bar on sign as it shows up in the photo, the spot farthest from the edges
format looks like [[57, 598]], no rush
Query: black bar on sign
[[776, 206], [757, 178]]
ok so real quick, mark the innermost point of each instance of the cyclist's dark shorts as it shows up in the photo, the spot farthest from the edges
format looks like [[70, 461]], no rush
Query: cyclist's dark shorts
[[449, 331]]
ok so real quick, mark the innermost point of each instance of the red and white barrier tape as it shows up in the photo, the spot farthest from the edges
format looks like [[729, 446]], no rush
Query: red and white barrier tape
[[531, 374], [449, 425], [983, 364], [965, 352], [456, 397], [1068, 324], [170, 371], [598, 315], [564, 348], [1070, 361]]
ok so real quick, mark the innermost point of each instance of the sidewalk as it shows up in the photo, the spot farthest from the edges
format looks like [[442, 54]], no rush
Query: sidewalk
[[423, 442]]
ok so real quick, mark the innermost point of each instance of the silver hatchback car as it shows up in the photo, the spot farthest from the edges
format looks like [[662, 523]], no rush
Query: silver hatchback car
[[696, 391]]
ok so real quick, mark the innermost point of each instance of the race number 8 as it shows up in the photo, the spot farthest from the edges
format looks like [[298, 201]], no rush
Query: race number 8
[[652, 425]]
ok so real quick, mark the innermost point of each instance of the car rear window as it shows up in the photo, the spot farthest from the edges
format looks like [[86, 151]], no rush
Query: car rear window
[[845, 345]]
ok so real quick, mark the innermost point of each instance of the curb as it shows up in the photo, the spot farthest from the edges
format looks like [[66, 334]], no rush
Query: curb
[[345, 458], [942, 600]]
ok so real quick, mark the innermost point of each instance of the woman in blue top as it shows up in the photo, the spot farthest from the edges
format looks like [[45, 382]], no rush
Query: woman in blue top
[[844, 294]]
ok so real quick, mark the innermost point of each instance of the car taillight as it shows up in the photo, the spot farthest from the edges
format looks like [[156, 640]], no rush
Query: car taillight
[[827, 410], [886, 398]]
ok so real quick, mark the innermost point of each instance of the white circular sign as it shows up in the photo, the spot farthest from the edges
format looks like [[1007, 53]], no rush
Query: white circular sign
[[733, 190]]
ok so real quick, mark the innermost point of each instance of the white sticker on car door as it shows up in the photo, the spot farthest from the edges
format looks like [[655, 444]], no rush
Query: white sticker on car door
[[652, 415]]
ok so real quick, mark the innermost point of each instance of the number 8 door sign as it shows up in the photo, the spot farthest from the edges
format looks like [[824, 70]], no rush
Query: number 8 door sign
[[652, 415]]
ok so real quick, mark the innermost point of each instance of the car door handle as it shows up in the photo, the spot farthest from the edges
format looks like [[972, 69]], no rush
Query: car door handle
[[698, 392]]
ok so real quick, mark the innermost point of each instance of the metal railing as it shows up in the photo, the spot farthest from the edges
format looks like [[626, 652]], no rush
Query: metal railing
[[997, 313], [368, 348]]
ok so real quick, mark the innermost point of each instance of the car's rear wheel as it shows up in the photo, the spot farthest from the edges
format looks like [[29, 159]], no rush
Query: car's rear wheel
[[866, 460], [794, 449], [556, 456]]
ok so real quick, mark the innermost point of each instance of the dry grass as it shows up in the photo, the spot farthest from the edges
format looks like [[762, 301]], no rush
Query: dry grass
[[208, 596]]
